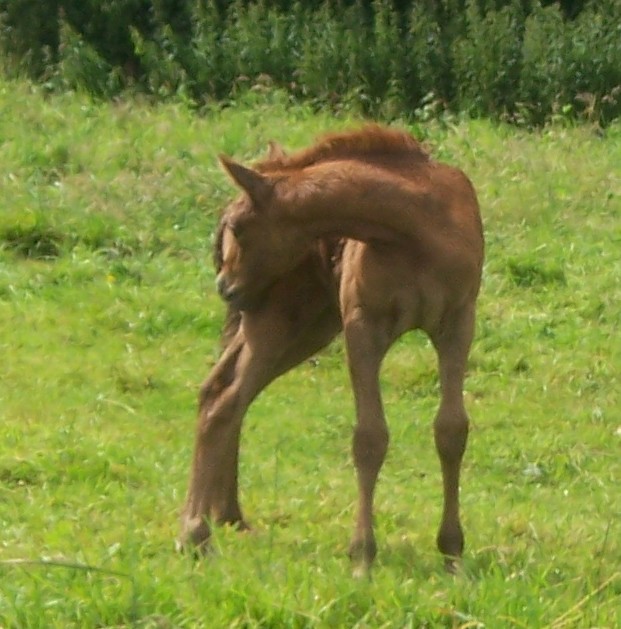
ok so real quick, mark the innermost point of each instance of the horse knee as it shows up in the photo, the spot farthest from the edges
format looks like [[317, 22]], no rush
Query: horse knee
[[451, 433], [221, 377], [214, 387], [370, 447], [218, 405]]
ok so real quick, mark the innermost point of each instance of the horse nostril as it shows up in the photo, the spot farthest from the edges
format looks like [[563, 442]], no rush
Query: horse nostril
[[224, 290]]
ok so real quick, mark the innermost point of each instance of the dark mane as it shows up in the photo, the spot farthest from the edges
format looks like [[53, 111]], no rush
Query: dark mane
[[370, 142]]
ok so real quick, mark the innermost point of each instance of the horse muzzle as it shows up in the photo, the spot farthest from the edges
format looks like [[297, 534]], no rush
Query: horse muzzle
[[225, 289], [235, 295]]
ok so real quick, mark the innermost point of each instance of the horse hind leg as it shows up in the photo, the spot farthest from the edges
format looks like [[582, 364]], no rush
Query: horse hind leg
[[451, 427], [366, 347]]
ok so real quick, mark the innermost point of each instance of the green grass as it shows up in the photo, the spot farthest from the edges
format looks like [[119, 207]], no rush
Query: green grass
[[109, 321]]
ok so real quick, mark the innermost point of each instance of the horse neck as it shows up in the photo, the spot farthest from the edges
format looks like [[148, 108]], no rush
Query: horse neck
[[359, 201]]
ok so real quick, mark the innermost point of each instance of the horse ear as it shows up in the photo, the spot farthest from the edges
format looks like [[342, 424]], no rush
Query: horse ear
[[275, 151], [256, 185]]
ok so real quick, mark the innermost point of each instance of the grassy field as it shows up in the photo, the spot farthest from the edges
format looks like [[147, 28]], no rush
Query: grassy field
[[109, 321]]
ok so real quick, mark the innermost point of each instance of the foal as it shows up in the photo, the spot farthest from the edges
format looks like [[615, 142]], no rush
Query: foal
[[362, 232]]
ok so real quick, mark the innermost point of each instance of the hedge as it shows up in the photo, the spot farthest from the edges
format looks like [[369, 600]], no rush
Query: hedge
[[513, 59]]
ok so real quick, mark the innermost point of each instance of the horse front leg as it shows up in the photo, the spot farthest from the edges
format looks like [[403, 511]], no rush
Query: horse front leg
[[223, 401], [265, 346], [451, 428], [365, 350]]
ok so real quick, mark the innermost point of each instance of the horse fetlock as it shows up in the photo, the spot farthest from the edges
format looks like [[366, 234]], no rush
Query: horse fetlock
[[362, 552], [361, 570], [453, 565], [450, 540], [195, 534]]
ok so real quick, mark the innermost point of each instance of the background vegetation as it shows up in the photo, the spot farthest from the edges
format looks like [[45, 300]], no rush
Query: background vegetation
[[519, 60], [109, 320]]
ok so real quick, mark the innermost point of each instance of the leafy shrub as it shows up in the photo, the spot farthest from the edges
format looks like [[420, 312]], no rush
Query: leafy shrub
[[81, 67], [572, 67], [592, 77], [429, 70], [29, 35], [488, 59], [543, 58], [514, 59], [324, 71]]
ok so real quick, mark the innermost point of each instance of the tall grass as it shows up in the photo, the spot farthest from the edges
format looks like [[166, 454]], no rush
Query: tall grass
[[109, 320]]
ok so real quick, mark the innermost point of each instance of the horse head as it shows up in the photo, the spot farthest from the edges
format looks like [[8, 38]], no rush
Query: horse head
[[257, 244]]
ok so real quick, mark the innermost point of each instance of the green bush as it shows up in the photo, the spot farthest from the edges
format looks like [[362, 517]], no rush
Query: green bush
[[29, 35], [429, 66], [328, 56], [543, 58], [572, 68], [488, 60], [593, 60], [512, 59]]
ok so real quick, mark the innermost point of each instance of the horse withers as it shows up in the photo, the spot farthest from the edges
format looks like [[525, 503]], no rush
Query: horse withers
[[362, 232]]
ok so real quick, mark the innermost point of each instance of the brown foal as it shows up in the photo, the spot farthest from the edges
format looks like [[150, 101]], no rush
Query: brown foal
[[362, 232]]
